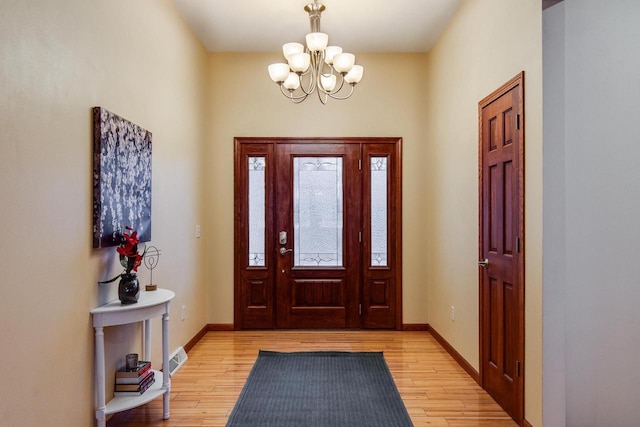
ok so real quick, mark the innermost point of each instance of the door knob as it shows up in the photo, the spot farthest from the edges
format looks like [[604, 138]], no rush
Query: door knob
[[483, 263], [284, 251]]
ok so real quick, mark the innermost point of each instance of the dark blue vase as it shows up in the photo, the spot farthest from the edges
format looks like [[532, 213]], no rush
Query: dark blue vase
[[128, 288]]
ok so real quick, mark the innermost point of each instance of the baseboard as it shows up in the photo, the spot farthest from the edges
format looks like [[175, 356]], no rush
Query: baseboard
[[456, 356], [193, 341], [220, 327], [415, 326], [207, 328], [526, 423]]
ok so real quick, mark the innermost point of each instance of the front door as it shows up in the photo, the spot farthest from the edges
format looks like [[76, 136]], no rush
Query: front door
[[501, 246], [318, 250], [317, 240]]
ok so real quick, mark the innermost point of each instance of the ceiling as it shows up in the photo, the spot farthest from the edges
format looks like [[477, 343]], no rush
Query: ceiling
[[355, 25]]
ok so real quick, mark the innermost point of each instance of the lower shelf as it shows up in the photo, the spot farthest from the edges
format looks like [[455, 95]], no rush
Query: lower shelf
[[122, 403]]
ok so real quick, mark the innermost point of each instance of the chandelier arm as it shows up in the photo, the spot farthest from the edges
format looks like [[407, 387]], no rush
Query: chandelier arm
[[335, 91], [289, 94], [311, 74], [341, 84], [325, 99], [307, 91], [311, 86], [298, 101], [331, 69], [342, 98], [306, 73]]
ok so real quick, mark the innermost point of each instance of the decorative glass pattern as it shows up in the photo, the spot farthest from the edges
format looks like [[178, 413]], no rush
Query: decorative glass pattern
[[379, 211], [317, 211], [257, 201]]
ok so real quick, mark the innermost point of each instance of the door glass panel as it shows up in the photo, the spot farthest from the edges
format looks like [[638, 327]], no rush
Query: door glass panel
[[379, 211], [256, 211], [317, 211]]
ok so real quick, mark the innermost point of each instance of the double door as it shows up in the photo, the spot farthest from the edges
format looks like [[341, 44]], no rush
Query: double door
[[317, 233]]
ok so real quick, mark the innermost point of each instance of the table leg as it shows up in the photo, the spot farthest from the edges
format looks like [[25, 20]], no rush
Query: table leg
[[146, 340], [166, 381], [100, 381]]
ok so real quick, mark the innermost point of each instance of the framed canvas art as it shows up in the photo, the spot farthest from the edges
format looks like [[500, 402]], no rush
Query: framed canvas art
[[121, 178]]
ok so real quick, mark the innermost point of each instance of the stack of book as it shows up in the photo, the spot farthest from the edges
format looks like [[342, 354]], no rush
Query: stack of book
[[134, 382]]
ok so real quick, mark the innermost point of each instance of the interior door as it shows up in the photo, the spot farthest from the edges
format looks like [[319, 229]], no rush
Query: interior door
[[318, 224], [501, 246], [317, 233]]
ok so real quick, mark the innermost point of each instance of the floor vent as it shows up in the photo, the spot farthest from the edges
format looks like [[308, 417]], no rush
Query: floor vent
[[176, 360]]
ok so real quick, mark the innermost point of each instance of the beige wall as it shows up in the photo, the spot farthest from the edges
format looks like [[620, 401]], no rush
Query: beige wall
[[486, 44], [247, 103], [58, 59]]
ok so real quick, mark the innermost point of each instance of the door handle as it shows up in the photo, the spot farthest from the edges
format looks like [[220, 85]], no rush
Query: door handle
[[285, 250], [483, 263]]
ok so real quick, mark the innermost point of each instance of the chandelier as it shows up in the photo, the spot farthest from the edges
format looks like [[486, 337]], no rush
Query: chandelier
[[316, 67]]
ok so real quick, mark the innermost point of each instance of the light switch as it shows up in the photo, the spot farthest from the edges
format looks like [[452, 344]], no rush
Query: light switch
[[197, 231]]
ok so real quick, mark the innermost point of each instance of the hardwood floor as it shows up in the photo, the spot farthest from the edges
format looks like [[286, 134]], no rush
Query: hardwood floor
[[435, 390]]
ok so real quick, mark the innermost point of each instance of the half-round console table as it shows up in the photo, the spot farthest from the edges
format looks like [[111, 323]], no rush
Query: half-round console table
[[150, 304]]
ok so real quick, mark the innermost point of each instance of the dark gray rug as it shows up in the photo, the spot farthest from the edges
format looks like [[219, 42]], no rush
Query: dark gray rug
[[320, 389]]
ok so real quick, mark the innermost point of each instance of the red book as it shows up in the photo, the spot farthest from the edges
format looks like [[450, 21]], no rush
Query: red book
[[141, 370]]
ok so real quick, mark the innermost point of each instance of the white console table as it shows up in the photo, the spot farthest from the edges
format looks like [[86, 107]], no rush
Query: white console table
[[150, 304]]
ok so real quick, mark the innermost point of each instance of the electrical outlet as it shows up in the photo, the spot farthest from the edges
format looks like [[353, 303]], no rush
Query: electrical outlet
[[453, 313], [183, 315]]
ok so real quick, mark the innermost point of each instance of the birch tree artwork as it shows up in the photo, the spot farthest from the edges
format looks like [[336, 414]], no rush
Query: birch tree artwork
[[121, 179]]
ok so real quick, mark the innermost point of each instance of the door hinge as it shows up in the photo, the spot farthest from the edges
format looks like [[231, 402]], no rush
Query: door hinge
[[518, 121], [517, 368], [517, 245], [360, 309], [359, 164], [360, 237]]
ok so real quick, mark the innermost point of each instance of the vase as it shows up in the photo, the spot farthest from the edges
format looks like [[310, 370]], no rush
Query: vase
[[128, 288]]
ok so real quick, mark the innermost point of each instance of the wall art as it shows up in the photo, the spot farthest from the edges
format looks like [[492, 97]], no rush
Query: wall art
[[121, 179]]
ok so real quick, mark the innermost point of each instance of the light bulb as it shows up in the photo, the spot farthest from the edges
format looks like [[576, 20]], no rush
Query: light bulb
[[292, 82], [317, 41], [278, 72], [354, 75], [328, 82], [289, 49], [343, 62], [299, 62], [330, 52]]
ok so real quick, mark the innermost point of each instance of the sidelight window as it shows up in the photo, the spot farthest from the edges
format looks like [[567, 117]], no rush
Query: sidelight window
[[379, 211], [257, 211]]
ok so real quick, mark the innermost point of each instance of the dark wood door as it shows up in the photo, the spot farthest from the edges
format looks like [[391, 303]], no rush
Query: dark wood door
[[318, 267], [501, 246], [317, 233]]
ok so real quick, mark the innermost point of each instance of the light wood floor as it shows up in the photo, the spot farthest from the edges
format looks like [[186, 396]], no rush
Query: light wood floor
[[435, 390]]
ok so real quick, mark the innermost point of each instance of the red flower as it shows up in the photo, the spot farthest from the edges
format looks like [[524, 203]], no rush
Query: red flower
[[128, 250], [137, 262]]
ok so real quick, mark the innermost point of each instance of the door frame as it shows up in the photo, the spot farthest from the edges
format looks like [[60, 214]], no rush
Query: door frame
[[268, 309], [516, 81]]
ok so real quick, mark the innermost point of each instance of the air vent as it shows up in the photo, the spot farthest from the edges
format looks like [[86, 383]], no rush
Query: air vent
[[176, 360]]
